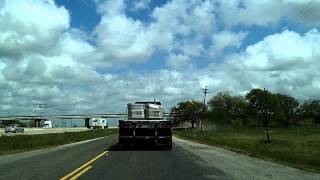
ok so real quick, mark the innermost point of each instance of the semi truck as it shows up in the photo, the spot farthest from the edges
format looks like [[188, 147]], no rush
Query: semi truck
[[98, 123], [145, 125], [47, 124]]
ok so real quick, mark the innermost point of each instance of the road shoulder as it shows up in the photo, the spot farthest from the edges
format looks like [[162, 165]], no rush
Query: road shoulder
[[240, 166]]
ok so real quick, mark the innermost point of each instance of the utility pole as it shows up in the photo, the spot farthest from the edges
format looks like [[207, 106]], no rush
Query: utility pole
[[205, 92]]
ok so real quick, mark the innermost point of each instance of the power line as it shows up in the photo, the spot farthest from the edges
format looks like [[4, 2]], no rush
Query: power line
[[303, 13]]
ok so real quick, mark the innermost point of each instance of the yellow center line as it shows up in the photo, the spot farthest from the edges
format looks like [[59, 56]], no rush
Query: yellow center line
[[81, 172], [83, 166]]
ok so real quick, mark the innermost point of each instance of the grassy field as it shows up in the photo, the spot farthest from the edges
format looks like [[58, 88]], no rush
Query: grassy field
[[21, 143], [296, 147]]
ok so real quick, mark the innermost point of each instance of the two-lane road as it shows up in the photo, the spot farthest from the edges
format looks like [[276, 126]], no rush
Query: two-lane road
[[104, 159]]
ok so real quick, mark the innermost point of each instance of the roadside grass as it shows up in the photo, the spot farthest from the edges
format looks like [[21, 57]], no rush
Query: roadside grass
[[22, 143], [298, 147]]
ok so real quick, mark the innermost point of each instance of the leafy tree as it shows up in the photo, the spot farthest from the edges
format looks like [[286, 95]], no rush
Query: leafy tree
[[226, 107], [265, 103], [311, 109], [221, 108], [8, 122], [187, 111], [240, 108], [289, 107]]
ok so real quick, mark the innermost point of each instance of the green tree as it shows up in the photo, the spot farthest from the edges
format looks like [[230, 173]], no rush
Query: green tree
[[8, 122], [266, 104], [225, 108], [240, 108], [187, 111], [311, 109], [220, 107], [289, 107]]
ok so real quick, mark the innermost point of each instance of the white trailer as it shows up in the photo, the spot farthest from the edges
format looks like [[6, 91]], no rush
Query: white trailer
[[98, 123]]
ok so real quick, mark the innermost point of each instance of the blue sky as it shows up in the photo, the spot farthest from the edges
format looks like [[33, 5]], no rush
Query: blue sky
[[83, 13], [95, 56]]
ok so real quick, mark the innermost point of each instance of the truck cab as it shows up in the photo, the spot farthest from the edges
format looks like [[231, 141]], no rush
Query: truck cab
[[47, 124]]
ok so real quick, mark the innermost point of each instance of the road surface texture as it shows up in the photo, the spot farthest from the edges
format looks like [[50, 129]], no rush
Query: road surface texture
[[104, 159]]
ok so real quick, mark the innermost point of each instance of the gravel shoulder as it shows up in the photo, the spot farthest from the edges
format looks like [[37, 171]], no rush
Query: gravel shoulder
[[240, 166]]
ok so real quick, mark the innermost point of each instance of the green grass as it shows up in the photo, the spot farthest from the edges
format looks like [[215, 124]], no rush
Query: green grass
[[22, 143], [296, 147]]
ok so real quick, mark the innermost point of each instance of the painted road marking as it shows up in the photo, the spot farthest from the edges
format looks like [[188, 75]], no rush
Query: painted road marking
[[81, 172], [84, 166]]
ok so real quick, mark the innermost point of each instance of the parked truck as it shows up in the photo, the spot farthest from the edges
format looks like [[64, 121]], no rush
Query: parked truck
[[145, 125]]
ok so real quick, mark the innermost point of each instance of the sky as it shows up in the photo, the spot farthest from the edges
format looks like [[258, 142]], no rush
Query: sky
[[95, 56]]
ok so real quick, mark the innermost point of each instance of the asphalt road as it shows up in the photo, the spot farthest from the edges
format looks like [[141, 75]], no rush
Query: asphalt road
[[107, 160]]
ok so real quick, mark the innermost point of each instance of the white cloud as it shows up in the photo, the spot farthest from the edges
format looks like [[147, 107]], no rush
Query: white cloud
[[74, 43], [30, 26], [178, 61], [140, 4], [283, 51], [122, 38], [226, 39], [43, 60], [184, 18], [285, 62], [249, 12]]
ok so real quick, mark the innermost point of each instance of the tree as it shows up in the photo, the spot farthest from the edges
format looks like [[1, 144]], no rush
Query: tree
[[240, 108], [187, 111], [8, 122], [289, 107], [311, 109], [226, 107], [265, 103], [221, 108]]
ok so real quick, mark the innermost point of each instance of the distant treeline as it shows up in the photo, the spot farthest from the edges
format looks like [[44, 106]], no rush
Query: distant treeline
[[256, 108], [19, 123]]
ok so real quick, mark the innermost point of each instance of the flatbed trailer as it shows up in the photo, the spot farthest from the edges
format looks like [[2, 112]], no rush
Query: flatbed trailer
[[145, 126]]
